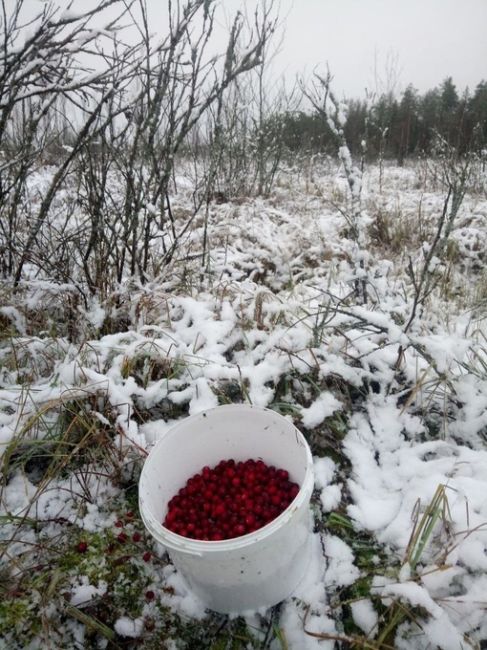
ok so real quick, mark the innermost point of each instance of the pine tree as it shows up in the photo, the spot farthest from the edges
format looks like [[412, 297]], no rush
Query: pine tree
[[406, 131], [448, 119], [477, 108]]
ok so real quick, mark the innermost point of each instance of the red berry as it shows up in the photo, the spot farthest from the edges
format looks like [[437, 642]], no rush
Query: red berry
[[82, 547], [230, 500], [239, 530], [136, 537], [250, 520], [129, 514], [119, 524], [122, 538], [149, 595], [219, 510], [147, 556], [293, 492]]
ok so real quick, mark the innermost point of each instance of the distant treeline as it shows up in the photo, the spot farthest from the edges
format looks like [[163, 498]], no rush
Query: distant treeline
[[396, 128]]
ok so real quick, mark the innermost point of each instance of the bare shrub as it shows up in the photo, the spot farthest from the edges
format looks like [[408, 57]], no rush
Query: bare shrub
[[114, 127]]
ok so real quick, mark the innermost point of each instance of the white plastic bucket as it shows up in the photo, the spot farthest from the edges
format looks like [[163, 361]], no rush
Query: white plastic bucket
[[248, 572]]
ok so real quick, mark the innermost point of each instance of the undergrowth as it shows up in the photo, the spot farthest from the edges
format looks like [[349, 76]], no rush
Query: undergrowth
[[81, 396]]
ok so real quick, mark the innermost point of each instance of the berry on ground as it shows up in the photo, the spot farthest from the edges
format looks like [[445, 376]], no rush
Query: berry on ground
[[82, 547], [229, 500]]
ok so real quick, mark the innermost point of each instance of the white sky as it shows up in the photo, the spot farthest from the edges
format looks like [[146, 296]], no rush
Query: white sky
[[423, 41]]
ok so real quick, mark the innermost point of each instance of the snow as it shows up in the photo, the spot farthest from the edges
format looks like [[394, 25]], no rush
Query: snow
[[129, 627], [19, 496], [312, 591], [324, 469], [324, 406], [413, 594], [341, 570], [441, 632], [28, 67], [365, 616], [387, 429], [330, 498], [203, 397], [83, 593], [179, 596], [69, 14], [95, 315]]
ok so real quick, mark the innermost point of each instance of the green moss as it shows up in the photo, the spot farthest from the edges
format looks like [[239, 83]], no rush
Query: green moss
[[46, 576], [18, 618], [13, 611], [221, 633]]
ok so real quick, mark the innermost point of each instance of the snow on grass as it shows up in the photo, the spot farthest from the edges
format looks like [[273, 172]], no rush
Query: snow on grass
[[365, 616], [340, 569], [390, 417], [323, 406], [313, 593], [84, 592], [129, 627]]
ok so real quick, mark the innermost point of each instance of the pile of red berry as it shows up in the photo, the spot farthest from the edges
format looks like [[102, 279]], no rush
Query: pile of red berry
[[230, 500]]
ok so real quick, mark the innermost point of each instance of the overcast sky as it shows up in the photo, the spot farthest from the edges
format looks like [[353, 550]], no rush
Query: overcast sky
[[422, 40], [426, 40], [363, 41]]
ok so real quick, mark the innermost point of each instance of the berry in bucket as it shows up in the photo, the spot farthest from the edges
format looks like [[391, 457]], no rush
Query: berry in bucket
[[230, 500]]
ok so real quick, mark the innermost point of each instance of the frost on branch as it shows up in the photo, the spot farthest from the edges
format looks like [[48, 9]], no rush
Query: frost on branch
[[335, 114]]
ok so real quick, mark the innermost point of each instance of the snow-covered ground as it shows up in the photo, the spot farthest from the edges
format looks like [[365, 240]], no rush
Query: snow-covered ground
[[395, 412]]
